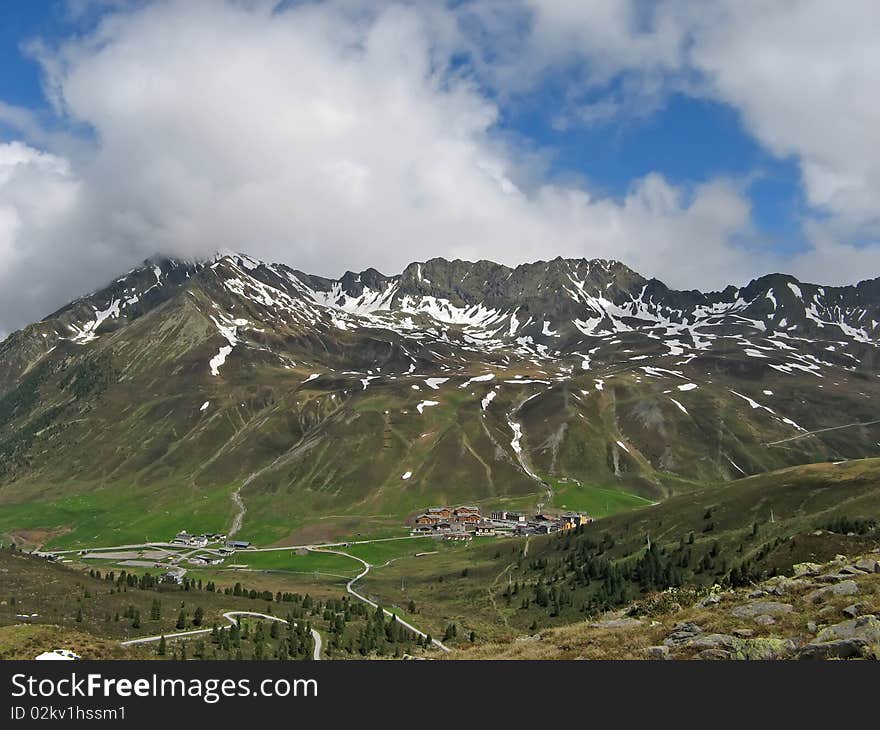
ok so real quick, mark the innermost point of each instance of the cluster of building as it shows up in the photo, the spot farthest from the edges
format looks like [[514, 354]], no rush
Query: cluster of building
[[465, 522], [197, 541], [185, 539], [452, 523], [539, 524]]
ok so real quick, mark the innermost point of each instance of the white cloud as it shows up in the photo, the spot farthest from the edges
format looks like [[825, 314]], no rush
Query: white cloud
[[343, 135], [38, 195], [802, 73], [328, 136]]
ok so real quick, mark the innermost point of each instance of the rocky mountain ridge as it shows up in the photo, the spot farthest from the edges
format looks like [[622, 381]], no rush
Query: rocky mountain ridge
[[291, 396], [566, 311]]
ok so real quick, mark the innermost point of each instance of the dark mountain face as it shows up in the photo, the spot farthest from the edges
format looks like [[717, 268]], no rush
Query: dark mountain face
[[557, 309], [479, 380]]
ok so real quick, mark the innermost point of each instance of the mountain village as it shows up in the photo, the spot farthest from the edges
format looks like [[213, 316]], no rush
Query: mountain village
[[465, 522]]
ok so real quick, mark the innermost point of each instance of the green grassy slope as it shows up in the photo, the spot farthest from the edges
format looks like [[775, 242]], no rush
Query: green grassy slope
[[131, 438], [733, 535]]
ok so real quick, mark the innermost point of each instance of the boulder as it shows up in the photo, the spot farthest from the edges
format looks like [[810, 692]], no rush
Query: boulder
[[864, 628], [657, 652], [682, 633], [868, 565], [801, 569], [714, 654], [764, 649], [713, 641], [533, 637], [852, 610], [841, 649], [852, 570], [845, 588], [765, 620], [832, 577]]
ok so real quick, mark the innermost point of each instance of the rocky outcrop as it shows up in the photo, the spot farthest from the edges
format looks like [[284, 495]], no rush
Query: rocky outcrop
[[815, 593]]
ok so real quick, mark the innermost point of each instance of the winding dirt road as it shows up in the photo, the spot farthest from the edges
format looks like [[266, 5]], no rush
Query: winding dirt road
[[230, 616], [360, 597]]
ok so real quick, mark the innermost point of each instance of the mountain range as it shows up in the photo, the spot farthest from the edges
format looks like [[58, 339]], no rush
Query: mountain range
[[237, 395]]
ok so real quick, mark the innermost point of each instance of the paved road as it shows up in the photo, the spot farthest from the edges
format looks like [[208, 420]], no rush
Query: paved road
[[230, 617], [332, 544], [352, 591], [821, 430], [139, 545], [311, 546]]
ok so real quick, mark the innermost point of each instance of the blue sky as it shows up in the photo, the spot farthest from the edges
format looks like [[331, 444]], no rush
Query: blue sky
[[19, 21], [688, 140], [701, 142]]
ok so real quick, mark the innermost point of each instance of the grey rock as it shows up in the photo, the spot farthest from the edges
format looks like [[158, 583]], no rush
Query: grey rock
[[757, 594], [657, 652], [713, 641], [801, 569], [817, 596], [852, 570], [865, 628], [852, 610], [845, 588], [812, 627], [714, 654], [832, 577], [765, 649], [533, 637], [868, 565], [780, 585], [764, 620], [682, 633], [840, 649], [744, 633]]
